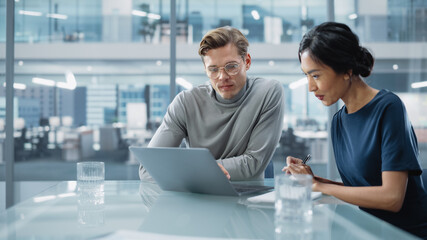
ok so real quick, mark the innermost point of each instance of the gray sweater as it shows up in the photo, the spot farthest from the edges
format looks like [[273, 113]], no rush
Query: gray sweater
[[241, 133]]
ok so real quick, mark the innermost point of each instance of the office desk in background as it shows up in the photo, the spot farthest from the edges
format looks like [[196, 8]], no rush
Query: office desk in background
[[144, 207]]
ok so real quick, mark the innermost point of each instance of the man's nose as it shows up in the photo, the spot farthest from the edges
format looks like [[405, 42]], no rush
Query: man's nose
[[222, 74]]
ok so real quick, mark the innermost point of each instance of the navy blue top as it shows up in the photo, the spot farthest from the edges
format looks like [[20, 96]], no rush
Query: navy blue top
[[379, 137]]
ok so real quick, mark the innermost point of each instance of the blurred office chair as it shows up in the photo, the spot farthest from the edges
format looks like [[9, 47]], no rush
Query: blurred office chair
[[108, 138], [269, 171]]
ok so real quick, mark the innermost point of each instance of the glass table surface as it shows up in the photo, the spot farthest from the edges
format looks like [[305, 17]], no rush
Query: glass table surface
[[64, 212]]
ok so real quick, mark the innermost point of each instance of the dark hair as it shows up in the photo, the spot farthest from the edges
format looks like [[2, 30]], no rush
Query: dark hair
[[335, 45], [222, 36]]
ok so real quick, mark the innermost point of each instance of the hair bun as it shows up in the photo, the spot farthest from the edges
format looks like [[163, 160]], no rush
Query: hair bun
[[364, 62]]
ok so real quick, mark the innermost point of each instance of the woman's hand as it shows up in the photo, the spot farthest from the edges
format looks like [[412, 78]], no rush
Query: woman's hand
[[291, 160], [299, 169], [295, 166]]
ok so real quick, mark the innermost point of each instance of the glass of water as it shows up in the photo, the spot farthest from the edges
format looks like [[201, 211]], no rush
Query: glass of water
[[90, 172], [90, 193], [293, 204]]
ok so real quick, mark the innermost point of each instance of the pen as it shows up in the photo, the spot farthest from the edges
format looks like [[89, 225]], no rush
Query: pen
[[306, 159], [303, 162]]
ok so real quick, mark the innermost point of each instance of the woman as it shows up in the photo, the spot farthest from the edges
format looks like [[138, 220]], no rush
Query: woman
[[375, 147]]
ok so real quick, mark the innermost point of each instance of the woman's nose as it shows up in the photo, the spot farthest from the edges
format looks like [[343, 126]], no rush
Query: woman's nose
[[311, 85]]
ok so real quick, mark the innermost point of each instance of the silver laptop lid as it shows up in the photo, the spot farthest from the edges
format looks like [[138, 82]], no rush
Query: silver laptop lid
[[185, 170]]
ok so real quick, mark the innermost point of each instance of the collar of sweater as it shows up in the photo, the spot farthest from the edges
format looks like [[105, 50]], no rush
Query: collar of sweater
[[236, 98]]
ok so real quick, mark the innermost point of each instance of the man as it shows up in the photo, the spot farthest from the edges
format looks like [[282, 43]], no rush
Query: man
[[238, 119]]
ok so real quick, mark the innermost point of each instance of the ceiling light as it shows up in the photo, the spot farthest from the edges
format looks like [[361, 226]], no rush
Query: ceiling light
[[57, 16], [255, 14], [395, 66], [419, 84], [154, 16], [352, 16], [43, 81], [145, 14], [299, 83], [139, 13], [304, 12], [70, 83], [30, 13], [181, 81], [19, 86]]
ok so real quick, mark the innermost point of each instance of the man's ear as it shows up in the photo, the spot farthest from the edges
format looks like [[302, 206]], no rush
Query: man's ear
[[248, 61]]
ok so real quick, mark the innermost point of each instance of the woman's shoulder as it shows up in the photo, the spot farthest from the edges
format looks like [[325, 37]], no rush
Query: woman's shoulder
[[387, 101], [386, 96]]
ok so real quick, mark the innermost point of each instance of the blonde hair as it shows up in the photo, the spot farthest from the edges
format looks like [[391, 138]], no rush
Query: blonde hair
[[222, 36]]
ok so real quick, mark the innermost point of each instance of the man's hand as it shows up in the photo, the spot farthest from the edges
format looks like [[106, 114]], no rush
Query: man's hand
[[224, 171]]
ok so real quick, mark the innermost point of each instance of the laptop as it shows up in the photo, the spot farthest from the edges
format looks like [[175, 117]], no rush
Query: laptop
[[189, 170]]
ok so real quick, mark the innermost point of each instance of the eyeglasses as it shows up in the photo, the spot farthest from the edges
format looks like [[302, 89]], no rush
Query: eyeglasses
[[231, 69]]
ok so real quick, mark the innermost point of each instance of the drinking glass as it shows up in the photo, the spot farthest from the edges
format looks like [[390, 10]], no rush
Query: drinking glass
[[293, 206]]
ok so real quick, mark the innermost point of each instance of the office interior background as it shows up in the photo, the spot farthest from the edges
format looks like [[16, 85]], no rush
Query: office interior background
[[94, 77]]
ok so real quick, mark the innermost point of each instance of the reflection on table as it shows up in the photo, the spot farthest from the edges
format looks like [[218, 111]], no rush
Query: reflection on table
[[144, 207]]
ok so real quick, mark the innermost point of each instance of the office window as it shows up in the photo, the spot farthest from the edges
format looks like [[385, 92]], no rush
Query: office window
[[396, 27], [90, 68]]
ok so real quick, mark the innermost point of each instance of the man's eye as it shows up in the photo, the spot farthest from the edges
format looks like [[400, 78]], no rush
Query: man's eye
[[213, 69], [231, 66]]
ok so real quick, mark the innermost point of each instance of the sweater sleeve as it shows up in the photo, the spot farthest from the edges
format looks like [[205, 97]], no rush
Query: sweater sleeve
[[263, 141], [171, 132]]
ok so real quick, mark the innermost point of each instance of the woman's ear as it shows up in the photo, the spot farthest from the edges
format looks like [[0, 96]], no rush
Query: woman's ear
[[348, 75]]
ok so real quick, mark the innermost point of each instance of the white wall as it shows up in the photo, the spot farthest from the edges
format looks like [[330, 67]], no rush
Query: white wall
[[117, 20], [372, 7]]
